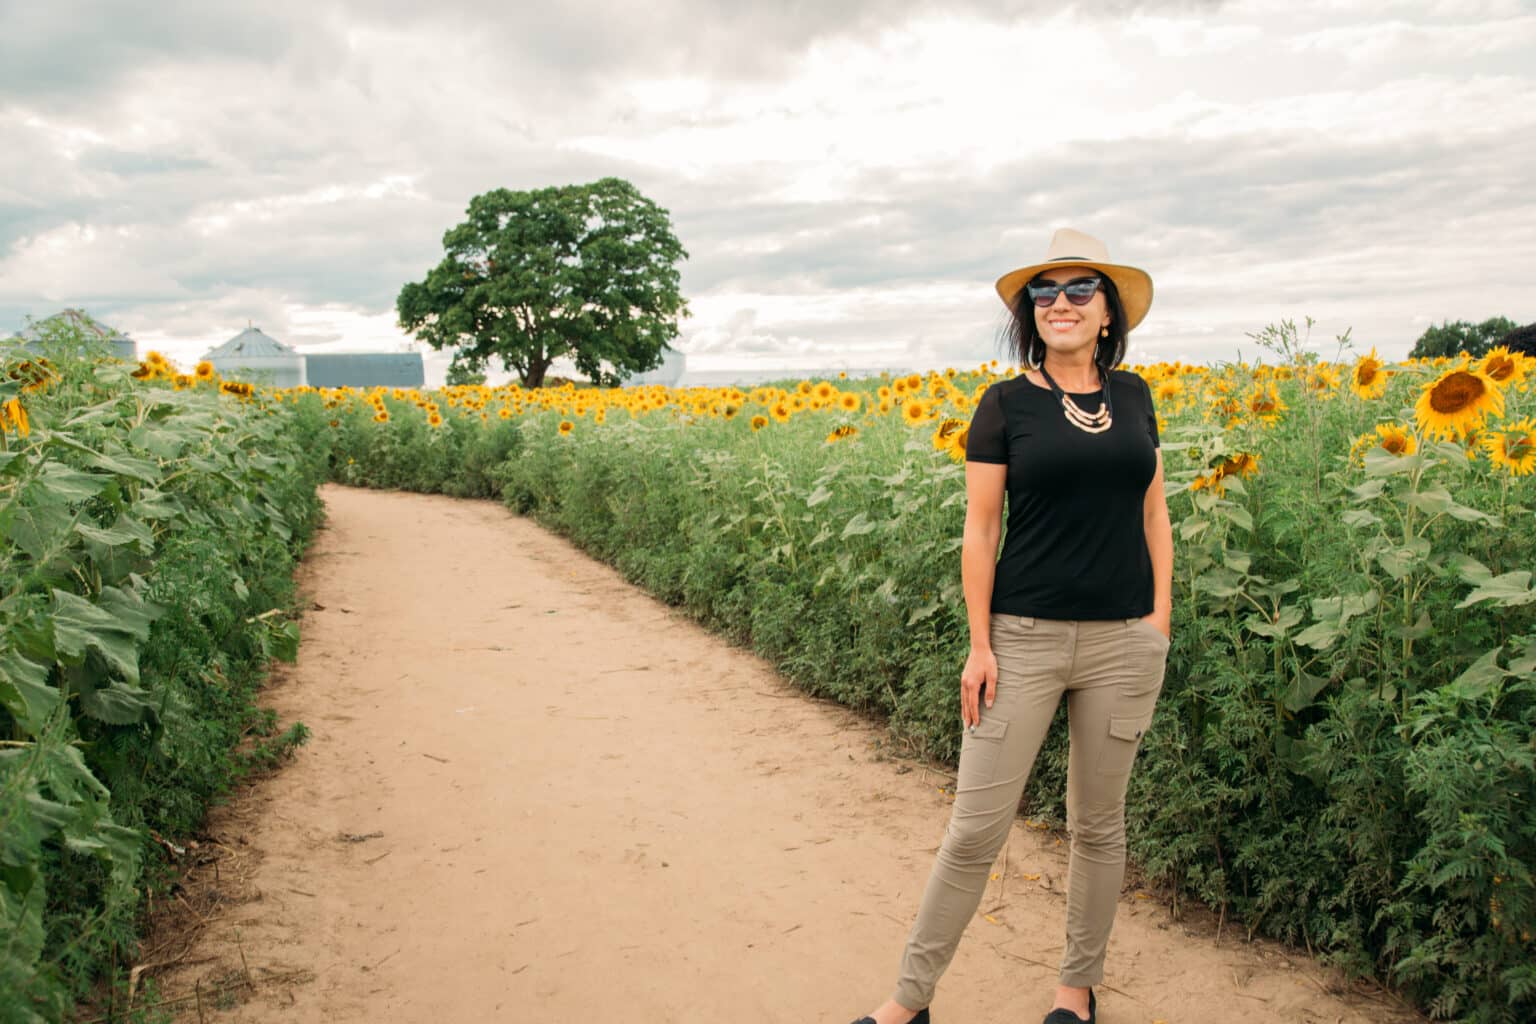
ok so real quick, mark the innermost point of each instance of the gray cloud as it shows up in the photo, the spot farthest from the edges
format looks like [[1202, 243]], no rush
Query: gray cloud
[[291, 158]]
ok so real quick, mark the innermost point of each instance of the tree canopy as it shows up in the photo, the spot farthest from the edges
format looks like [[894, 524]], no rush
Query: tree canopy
[[1522, 340], [1452, 337], [583, 271]]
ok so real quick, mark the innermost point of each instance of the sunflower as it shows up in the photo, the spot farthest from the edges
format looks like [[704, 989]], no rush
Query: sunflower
[[382, 416], [14, 417], [945, 432], [885, 406], [1265, 403], [914, 413], [1242, 464], [1503, 367], [914, 381], [335, 423], [1398, 440], [1459, 399], [842, 433], [824, 391], [1210, 483], [434, 419], [729, 410], [504, 413], [759, 422], [780, 411], [1513, 447], [566, 426], [600, 416], [1322, 379], [1228, 411], [957, 441], [1359, 446], [35, 376], [1169, 389], [1368, 380], [848, 401]]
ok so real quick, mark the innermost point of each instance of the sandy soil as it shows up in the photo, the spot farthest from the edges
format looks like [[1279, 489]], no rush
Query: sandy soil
[[535, 793]]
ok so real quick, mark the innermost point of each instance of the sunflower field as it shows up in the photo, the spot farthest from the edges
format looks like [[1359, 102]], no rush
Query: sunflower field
[[147, 545], [1343, 755]]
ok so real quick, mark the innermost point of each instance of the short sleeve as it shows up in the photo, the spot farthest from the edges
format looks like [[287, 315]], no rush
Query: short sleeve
[[1146, 390], [987, 440]]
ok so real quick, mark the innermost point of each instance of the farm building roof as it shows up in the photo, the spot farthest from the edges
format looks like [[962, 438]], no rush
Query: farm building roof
[[91, 329], [251, 343], [364, 369]]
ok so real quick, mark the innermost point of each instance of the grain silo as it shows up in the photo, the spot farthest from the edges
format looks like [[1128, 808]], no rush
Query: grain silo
[[255, 358], [79, 331]]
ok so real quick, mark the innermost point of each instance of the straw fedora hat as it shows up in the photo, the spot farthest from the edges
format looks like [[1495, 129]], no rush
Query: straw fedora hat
[[1073, 248]]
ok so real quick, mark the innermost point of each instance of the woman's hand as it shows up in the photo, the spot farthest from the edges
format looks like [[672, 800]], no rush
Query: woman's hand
[[1163, 620], [979, 676]]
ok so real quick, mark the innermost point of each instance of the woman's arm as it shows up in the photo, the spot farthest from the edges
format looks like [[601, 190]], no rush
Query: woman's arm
[[1159, 531], [984, 485]]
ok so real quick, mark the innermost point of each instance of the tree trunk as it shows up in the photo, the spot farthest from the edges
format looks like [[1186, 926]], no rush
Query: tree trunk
[[537, 367]]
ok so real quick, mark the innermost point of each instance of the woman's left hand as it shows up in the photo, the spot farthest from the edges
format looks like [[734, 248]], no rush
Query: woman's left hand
[[1163, 620]]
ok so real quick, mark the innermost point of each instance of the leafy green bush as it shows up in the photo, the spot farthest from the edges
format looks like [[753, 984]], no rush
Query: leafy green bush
[[147, 539]]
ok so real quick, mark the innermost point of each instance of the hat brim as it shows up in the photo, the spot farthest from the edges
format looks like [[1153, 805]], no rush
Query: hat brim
[[1133, 284]]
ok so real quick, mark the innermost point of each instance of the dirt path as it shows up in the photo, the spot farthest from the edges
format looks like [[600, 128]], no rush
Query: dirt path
[[535, 793]]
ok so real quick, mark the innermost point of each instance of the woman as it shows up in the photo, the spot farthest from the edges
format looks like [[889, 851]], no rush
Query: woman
[[1079, 602]]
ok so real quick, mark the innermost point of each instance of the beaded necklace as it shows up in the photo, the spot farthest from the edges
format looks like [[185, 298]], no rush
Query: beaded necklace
[[1090, 423]]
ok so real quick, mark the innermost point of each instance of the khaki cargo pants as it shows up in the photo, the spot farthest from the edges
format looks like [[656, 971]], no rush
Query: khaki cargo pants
[[1111, 672]]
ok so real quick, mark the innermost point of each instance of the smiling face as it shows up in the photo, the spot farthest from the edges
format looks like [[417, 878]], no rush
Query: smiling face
[[1065, 328]]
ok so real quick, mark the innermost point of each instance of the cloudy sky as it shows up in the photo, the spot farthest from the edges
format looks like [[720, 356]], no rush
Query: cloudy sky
[[849, 178]]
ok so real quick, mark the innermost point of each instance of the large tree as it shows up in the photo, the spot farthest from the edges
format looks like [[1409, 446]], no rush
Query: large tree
[[1522, 340], [583, 271], [1451, 337]]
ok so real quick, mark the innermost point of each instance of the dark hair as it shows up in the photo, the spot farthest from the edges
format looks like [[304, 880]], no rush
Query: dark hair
[[1022, 336]]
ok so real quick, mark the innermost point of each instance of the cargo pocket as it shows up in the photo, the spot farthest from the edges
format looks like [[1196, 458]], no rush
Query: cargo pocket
[[1125, 733], [979, 752]]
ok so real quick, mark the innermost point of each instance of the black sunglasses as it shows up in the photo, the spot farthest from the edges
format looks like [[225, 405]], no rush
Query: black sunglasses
[[1079, 291]]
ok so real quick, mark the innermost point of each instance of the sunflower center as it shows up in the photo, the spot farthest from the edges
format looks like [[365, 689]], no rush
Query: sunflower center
[[1456, 393], [1499, 368]]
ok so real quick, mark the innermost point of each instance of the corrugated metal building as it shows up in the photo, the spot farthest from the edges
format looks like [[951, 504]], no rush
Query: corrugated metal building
[[91, 331], [365, 369], [254, 357]]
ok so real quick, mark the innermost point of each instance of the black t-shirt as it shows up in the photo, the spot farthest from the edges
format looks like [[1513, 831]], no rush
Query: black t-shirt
[[1075, 547]]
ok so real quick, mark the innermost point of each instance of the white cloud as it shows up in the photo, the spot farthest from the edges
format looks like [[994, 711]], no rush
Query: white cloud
[[849, 179]]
